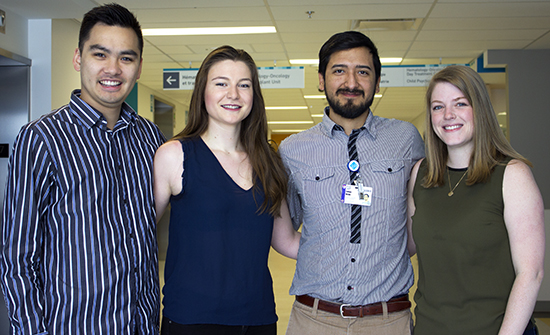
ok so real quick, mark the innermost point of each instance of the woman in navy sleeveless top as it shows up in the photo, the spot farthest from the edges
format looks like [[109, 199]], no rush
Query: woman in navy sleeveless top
[[227, 190]]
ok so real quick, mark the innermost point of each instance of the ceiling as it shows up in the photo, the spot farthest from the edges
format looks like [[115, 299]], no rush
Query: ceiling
[[448, 32]]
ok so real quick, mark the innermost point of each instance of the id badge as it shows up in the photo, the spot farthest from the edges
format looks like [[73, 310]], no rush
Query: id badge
[[356, 194]]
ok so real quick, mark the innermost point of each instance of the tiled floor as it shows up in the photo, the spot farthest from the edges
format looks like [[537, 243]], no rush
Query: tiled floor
[[282, 271], [544, 326]]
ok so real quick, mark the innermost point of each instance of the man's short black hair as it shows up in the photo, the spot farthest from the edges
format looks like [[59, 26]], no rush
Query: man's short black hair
[[345, 41], [112, 15]]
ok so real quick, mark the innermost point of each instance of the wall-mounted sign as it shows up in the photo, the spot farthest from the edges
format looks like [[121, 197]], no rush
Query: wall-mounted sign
[[270, 77], [408, 76]]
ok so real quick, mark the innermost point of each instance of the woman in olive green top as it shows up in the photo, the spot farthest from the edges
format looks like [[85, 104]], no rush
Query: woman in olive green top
[[475, 218]]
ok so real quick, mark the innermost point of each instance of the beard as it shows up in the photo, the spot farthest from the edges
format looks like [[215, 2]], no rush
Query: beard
[[349, 110]]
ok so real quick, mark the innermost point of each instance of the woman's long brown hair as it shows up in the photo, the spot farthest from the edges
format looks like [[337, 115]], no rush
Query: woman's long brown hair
[[267, 166]]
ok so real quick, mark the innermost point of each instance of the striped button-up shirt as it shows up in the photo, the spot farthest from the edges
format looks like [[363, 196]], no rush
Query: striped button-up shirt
[[79, 248], [329, 267]]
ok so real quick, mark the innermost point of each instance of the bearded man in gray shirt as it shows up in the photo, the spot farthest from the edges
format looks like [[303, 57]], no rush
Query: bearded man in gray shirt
[[347, 186]]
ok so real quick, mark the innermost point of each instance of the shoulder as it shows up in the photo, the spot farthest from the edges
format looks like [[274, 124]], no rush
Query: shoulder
[[45, 125], [299, 139], [516, 170], [170, 148], [394, 125]]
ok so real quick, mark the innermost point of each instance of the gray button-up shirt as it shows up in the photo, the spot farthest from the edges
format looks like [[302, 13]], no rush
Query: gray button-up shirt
[[329, 267]]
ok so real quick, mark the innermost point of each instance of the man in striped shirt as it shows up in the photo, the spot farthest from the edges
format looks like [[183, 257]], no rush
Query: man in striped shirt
[[347, 187], [79, 249]]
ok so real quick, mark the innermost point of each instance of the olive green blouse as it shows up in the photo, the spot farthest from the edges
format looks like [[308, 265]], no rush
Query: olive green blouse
[[465, 265]]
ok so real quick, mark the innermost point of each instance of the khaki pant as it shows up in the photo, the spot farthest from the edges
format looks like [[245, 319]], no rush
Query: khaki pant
[[305, 320]]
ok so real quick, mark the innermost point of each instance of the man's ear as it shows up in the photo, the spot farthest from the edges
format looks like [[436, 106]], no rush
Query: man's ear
[[321, 82], [77, 59]]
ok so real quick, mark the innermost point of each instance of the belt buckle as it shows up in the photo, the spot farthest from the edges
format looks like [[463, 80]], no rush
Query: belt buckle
[[342, 312]]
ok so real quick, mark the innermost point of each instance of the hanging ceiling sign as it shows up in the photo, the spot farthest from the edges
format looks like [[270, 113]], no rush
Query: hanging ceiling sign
[[270, 77], [408, 76]]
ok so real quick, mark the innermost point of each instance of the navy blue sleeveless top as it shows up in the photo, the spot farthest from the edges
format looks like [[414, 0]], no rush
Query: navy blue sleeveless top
[[216, 264]]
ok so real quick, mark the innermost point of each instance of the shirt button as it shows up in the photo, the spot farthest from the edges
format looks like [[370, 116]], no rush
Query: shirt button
[[390, 170], [317, 178], [350, 288], [353, 260]]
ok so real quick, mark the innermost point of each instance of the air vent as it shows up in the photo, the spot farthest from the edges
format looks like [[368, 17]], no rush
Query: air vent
[[386, 24]]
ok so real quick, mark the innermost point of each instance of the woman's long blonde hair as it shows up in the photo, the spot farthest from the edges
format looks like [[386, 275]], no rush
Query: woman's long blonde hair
[[490, 145]]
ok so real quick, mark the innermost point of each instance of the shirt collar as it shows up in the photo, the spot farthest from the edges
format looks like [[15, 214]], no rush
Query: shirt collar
[[328, 126], [90, 116]]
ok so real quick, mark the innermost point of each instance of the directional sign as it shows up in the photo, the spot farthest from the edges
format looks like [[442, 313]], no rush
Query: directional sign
[[171, 80], [270, 77], [281, 77], [408, 76]]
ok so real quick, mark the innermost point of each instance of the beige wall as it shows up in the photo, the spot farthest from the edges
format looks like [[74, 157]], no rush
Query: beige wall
[[64, 77], [146, 109]]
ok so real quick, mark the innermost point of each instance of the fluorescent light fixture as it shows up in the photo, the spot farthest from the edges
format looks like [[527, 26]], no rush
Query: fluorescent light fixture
[[289, 122], [286, 107], [377, 96], [304, 61], [208, 31], [502, 113], [383, 60], [317, 115], [287, 130], [390, 60]]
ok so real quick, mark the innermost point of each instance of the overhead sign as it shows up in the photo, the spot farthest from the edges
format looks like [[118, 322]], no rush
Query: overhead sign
[[408, 76], [281, 77], [270, 77], [179, 79]]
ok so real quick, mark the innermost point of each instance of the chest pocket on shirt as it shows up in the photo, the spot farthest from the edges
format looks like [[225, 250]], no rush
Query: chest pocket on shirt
[[388, 179], [319, 188]]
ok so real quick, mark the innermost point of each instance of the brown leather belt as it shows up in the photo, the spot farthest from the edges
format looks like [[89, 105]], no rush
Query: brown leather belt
[[348, 311]]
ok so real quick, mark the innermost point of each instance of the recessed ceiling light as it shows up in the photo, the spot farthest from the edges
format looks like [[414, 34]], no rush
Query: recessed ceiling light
[[286, 107], [287, 130], [289, 122], [304, 61], [208, 31], [383, 60], [390, 60]]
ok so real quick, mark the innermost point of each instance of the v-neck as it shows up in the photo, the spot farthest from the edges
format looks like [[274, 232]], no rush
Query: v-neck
[[221, 167]]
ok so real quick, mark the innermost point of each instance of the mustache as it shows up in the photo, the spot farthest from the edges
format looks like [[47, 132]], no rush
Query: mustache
[[353, 91]]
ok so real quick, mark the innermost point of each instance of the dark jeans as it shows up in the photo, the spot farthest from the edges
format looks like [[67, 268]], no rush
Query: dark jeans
[[531, 329], [169, 327]]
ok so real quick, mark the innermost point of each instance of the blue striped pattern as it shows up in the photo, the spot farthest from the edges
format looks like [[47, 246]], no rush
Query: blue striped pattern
[[79, 248], [329, 267]]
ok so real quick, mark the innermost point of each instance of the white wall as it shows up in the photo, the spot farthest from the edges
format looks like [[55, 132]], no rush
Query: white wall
[[40, 52], [15, 39]]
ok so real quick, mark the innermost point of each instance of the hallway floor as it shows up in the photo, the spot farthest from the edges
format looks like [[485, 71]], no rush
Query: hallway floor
[[282, 271]]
